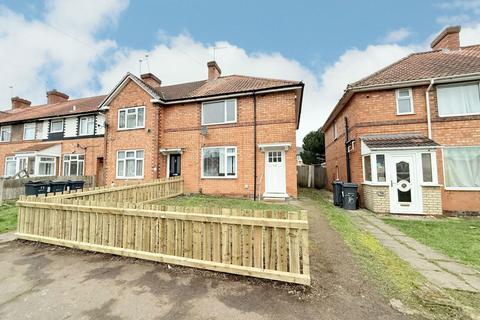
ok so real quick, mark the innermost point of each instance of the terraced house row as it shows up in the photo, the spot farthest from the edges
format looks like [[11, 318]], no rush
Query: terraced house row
[[225, 135]]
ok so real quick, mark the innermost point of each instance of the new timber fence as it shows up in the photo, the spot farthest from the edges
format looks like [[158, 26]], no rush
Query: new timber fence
[[260, 243]]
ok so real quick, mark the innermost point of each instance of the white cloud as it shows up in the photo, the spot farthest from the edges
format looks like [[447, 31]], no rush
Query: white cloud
[[61, 46], [470, 35], [397, 35]]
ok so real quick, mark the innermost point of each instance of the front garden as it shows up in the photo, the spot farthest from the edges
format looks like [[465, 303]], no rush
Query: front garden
[[8, 217]]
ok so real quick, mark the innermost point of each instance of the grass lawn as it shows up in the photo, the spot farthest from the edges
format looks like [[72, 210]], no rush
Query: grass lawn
[[458, 238], [395, 278], [200, 200], [8, 217]]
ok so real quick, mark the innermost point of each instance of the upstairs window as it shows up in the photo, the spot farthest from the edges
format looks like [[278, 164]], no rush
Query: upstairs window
[[131, 118], [56, 126], [5, 133], [404, 101], [219, 112], [458, 100], [29, 131], [86, 126]]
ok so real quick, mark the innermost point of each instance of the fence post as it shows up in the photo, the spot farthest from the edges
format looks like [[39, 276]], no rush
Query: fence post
[[2, 190]]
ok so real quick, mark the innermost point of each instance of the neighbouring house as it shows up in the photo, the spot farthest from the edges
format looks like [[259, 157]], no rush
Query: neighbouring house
[[412, 132], [61, 138], [299, 156], [230, 135]]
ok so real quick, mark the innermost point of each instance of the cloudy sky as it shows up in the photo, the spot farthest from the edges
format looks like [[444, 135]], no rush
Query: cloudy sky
[[84, 47]]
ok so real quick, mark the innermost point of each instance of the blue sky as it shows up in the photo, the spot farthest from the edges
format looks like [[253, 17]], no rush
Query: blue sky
[[83, 47]]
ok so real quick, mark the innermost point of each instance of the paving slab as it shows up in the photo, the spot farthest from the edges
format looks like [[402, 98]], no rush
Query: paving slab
[[6, 237], [446, 280], [457, 268], [472, 280]]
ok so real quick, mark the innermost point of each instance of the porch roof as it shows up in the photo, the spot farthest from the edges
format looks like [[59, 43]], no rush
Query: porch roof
[[36, 147], [398, 141]]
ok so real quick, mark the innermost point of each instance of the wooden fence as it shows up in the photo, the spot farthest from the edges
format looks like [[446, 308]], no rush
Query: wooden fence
[[259, 243], [311, 176]]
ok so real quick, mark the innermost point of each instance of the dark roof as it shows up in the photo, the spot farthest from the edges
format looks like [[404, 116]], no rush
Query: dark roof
[[37, 147], [221, 85], [426, 65], [401, 140], [82, 105]]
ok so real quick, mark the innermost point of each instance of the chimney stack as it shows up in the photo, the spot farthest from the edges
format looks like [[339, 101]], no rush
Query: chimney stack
[[151, 80], [54, 96], [19, 103], [449, 39], [213, 70]]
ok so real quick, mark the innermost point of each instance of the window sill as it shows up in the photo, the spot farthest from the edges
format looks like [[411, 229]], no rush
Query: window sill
[[130, 129], [219, 178], [462, 188], [218, 123]]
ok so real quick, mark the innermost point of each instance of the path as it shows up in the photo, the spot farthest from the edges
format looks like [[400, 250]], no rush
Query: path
[[437, 268]]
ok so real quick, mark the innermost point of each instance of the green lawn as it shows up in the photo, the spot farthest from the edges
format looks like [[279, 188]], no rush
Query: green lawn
[[458, 238], [395, 278], [8, 217], [200, 200]]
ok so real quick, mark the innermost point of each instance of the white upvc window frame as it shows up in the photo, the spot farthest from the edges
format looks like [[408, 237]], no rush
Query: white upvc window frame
[[30, 126], [410, 97], [124, 160], [225, 110], [39, 160], [6, 129], [456, 85], [443, 165], [364, 161], [88, 120], [7, 160], [433, 157], [51, 125], [225, 162], [70, 160], [335, 130], [136, 112]]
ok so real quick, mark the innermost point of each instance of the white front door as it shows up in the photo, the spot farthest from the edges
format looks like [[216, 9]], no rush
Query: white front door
[[275, 179], [405, 190]]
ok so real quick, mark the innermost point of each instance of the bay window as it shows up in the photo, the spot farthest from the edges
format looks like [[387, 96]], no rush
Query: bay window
[[458, 99], [219, 112], [73, 164], [131, 118], [381, 176], [367, 168], [427, 168], [130, 164], [374, 168], [219, 162], [46, 166], [29, 131], [86, 126], [10, 166], [462, 167]]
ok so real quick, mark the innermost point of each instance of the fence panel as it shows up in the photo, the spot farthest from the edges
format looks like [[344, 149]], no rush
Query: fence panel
[[259, 243]]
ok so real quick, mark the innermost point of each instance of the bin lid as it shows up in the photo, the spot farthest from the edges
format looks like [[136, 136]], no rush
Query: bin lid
[[350, 185], [337, 182]]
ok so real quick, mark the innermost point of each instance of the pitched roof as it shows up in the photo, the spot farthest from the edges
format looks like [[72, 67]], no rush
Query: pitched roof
[[426, 65], [221, 85], [82, 105], [400, 140]]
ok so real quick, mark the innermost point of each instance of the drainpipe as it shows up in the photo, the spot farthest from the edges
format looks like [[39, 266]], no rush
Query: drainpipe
[[254, 146], [347, 155], [427, 98]]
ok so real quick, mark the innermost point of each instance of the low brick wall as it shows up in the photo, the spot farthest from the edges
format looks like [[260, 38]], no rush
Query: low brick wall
[[432, 200], [376, 198]]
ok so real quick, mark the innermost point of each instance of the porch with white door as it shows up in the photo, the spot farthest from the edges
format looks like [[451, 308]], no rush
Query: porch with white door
[[402, 177], [275, 170]]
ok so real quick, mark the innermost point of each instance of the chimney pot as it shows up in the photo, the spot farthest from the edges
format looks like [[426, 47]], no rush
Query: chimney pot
[[214, 70], [54, 96], [19, 103], [449, 39], [151, 80]]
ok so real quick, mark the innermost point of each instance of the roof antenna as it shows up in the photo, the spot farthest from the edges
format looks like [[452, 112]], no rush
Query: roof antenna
[[140, 65], [148, 63]]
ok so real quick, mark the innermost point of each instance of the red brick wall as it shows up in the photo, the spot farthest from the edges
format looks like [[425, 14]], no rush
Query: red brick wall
[[178, 126], [375, 113]]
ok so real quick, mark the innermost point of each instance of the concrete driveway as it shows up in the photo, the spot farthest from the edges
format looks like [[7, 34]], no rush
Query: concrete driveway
[[46, 282]]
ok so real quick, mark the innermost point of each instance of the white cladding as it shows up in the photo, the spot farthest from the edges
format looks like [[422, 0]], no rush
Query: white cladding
[[100, 129], [70, 129], [45, 127]]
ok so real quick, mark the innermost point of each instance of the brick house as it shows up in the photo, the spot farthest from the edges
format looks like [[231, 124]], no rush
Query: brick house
[[62, 137], [230, 135], [412, 132]]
